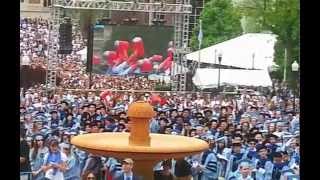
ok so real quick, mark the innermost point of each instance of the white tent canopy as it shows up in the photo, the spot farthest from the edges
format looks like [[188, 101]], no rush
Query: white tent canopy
[[208, 78], [83, 54], [252, 50], [178, 69]]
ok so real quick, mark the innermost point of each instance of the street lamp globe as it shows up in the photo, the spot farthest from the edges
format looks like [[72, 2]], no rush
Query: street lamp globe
[[220, 56], [295, 66]]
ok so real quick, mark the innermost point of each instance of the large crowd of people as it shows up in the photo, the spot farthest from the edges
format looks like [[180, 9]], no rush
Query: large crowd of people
[[251, 135], [34, 36]]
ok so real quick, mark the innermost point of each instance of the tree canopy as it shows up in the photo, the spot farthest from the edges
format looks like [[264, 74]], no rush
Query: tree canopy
[[281, 17], [220, 22]]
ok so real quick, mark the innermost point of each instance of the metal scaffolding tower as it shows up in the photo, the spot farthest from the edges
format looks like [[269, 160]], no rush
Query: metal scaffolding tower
[[197, 7], [53, 46], [181, 38], [181, 9]]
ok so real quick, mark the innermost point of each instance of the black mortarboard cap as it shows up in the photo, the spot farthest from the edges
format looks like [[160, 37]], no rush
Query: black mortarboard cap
[[54, 111], [92, 104], [284, 152], [173, 110], [273, 135], [207, 110], [122, 112], [161, 112], [179, 116], [260, 147], [223, 107], [254, 107], [276, 154], [65, 102]]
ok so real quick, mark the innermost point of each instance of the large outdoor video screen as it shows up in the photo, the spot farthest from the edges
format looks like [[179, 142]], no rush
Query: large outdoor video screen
[[130, 49]]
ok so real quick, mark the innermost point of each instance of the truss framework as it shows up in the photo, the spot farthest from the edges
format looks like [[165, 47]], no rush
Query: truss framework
[[181, 10], [178, 8]]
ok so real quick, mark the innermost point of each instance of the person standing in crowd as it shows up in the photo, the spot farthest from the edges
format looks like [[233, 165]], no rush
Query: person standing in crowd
[[24, 156], [235, 158], [251, 150], [90, 176], [209, 164], [37, 154], [182, 170], [72, 171], [263, 165], [278, 165], [114, 167], [245, 169], [127, 174], [165, 173], [54, 162], [54, 122], [93, 164]]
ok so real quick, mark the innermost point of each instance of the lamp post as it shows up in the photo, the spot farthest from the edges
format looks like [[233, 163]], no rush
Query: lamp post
[[295, 69], [219, 59], [274, 67]]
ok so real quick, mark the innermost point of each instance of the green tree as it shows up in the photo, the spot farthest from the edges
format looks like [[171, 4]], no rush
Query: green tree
[[281, 17], [220, 22]]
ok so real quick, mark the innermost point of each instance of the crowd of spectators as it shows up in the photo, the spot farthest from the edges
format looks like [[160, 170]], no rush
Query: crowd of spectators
[[254, 130], [34, 36], [251, 134]]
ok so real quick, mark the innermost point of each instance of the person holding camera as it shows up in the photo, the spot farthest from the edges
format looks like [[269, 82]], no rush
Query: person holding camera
[[54, 162]]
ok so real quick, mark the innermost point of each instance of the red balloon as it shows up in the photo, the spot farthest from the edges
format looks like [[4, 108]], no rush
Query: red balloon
[[155, 99], [163, 101], [95, 59], [138, 50], [104, 94], [146, 66], [110, 57]]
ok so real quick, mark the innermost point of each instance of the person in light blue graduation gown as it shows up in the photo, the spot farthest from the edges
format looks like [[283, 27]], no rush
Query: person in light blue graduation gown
[[277, 165], [236, 156], [82, 157], [114, 166], [37, 156], [209, 164], [272, 146], [198, 159], [288, 174], [251, 150], [73, 165], [262, 164], [244, 171]]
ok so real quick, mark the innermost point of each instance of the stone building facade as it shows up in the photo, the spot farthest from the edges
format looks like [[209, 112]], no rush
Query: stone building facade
[[35, 8]]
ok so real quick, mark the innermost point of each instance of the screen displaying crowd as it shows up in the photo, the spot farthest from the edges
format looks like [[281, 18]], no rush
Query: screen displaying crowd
[[127, 49], [250, 135]]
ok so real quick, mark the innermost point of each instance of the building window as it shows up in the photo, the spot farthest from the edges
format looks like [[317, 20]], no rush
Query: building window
[[158, 16], [161, 16], [34, 1], [46, 3]]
